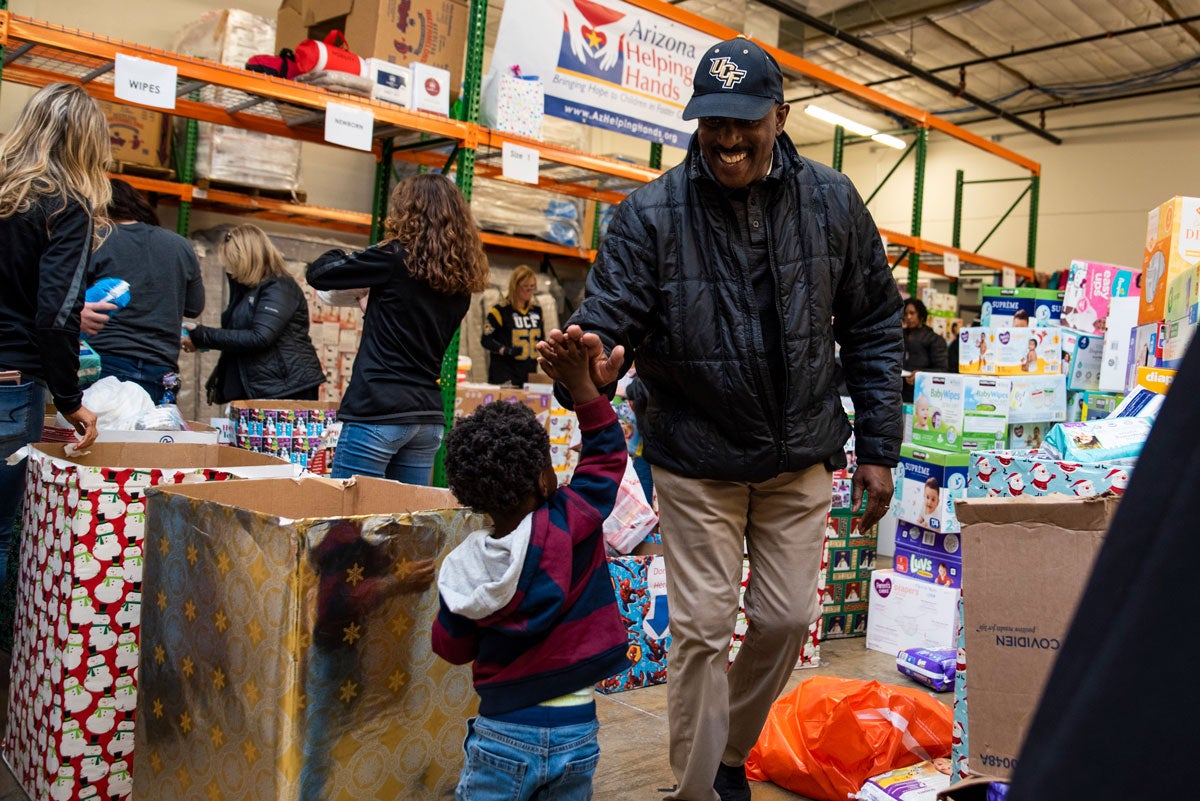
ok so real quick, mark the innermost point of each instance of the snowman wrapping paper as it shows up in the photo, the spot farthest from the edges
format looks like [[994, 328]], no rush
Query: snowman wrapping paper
[[73, 692]]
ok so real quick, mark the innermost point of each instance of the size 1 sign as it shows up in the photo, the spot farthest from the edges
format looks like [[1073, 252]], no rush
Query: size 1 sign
[[519, 163], [145, 82]]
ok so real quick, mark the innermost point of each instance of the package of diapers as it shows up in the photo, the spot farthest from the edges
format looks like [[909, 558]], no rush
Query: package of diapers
[[920, 782], [1098, 440], [932, 667]]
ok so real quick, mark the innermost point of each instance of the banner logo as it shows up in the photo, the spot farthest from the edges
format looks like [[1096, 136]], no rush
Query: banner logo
[[726, 71]]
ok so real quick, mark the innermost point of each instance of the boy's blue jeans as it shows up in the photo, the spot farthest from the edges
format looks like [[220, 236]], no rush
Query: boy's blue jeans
[[514, 762]]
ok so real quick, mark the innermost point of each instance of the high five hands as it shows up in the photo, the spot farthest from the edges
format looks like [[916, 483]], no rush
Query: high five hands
[[605, 368]]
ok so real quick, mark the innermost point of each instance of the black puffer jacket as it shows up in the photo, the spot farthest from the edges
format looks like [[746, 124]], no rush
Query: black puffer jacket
[[671, 285], [264, 330]]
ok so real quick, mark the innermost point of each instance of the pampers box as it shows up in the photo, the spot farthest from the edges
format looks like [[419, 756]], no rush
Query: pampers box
[[1090, 288], [1082, 358], [932, 480], [1010, 351], [1036, 398], [1171, 261], [910, 613], [954, 412]]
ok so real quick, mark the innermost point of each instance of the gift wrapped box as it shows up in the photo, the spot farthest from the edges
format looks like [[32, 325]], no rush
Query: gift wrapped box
[[995, 474], [80, 584], [514, 104], [291, 657], [641, 586]]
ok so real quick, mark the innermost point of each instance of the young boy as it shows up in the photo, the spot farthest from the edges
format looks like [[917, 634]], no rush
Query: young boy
[[530, 600]]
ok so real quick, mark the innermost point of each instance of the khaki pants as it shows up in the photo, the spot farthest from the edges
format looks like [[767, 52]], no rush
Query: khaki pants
[[716, 714]]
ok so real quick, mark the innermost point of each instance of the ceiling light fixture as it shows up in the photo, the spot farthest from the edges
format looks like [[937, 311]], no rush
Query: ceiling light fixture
[[890, 141], [838, 119]]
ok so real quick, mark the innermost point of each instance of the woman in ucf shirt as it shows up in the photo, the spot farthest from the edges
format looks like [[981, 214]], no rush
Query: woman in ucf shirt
[[511, 329]]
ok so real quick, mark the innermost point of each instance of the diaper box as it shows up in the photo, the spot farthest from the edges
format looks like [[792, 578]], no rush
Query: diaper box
[[1170, 261], [1047, 307], [1145, 349], [910, 613], [1177, 336], [955, 412], [1114, 365], [1008, 307], [932, 480], [1089, 289], [1009, 351], [1037, 397], [1082, 357], [1027, 436], [934, 556]]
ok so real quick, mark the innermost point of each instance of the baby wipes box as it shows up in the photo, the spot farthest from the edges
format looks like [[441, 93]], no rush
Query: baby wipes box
[[955, 412], [932, 480], [1090, 288], [1170, 261]]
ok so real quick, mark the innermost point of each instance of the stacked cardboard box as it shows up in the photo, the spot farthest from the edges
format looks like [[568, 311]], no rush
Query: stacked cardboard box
[[641, 585], [849, 559], [301, 432], [1172, 266]]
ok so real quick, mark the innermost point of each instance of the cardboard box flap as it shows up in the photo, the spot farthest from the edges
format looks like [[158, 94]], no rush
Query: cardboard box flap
[[313, 497], [1069, 512], [159, 455]]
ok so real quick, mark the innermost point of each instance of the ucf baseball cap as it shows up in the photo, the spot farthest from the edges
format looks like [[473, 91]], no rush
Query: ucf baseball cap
[[737, 79]]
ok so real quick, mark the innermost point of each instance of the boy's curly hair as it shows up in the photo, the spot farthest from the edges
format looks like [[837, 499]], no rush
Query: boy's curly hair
[[494, 456]]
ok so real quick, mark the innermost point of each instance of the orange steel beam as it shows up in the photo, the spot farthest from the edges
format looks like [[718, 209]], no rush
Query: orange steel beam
[[23, 29], [536, 246], [575, 158], [919, 245], [171, 188], [429, 159], [829, 78]]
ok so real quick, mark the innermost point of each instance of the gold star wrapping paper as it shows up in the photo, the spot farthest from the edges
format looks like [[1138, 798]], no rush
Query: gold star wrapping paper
[[296, 635]]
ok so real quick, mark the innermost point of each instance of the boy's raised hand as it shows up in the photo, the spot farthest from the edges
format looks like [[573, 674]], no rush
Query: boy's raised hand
[[569, 362]]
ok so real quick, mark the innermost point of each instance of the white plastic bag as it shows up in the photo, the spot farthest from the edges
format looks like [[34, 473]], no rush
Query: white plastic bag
[[117, 404], [632, 518]]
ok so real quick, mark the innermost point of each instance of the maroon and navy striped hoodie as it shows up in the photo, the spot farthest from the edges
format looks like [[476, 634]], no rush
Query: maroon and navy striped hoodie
[[561, 630]]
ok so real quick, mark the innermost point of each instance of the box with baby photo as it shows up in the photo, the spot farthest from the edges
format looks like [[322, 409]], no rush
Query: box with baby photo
[[953, 412], [932, 481]]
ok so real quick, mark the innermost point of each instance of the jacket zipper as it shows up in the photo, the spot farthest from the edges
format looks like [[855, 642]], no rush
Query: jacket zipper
[[781, 441]]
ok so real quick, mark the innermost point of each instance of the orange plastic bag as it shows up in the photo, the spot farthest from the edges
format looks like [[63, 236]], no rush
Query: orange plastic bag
[[829, 735]]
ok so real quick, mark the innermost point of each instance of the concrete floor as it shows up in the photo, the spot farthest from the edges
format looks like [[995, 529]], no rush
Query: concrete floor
[[633, 729]]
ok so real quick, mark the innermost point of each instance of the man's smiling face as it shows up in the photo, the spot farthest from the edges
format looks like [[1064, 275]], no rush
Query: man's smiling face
[[739, 151]]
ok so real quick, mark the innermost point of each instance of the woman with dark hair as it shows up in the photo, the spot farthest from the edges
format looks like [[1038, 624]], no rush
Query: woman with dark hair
[[924, 350], [421, 277], [265, 348], [141, 344]]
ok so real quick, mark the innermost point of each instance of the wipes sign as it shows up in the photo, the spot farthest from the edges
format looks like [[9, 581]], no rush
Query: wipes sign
[[146, 82], [605, 64]]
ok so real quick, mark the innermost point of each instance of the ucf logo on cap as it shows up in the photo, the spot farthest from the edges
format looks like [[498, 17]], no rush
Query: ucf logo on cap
[[726, 71]]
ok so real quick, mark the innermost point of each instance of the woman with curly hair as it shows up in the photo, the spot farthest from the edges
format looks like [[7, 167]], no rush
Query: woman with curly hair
[[420, 278], [53, 193]]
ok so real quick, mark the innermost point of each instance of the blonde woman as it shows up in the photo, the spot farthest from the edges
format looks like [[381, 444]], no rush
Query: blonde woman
[[512, 328], [53, 190], [265, 348], [421, 277]]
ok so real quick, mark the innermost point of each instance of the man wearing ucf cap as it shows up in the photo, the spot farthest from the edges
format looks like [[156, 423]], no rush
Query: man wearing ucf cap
[[731, 279]]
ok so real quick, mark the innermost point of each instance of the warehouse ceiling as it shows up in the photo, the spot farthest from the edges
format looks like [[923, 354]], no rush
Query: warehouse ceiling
[[1018, 60]]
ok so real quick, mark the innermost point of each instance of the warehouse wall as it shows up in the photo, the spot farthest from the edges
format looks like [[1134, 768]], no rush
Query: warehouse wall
[[1096, 188]]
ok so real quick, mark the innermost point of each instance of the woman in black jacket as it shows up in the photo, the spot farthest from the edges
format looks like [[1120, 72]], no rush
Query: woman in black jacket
[[924, 349], [263, 338], [420, 277]]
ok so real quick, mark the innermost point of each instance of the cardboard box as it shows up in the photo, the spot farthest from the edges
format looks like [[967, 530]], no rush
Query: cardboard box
[[954, 412], [431, 89], [1015, 474], [1009, 351], [909, 613], [1018, 607], [1036, 398], [932, 481], [1170, 261], [75, 662], [1083, 406], [999, 305], [1176, 338], [1047, 307], [433, 32], [1145, 350], [295, 634], [302, 432], [641, 585], [199, 434], [391, 83], [1082, 357], [1122, 322], [1090, 287], [138, 135], [1157, 379], [1028, 436], [921, 553]]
